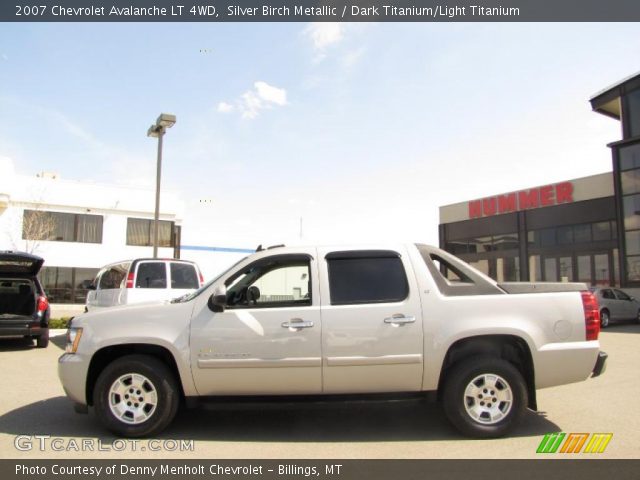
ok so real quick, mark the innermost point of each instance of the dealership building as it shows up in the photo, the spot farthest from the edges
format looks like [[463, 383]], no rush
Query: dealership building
[[586, 229]]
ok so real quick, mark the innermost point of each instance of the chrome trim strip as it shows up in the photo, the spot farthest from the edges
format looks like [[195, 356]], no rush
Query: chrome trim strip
[[260, 363], [366, 361]]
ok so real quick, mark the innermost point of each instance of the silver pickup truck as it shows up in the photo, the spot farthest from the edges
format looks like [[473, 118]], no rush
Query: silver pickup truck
[[334, 322]]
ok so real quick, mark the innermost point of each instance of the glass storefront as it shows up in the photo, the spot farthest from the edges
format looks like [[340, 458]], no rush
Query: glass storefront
[[65, 284], [568, 243], [597, 268], [629, 157]]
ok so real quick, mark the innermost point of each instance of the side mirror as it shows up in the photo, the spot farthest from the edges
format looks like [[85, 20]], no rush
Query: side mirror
[[92, 286], [218, 299]]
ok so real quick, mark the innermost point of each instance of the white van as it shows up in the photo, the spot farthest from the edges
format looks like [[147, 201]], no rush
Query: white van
[[142, 280]]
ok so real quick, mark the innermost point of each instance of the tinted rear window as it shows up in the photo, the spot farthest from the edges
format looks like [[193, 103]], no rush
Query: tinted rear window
[[183, 275], [113, 277], [151, 275], [367, 280]]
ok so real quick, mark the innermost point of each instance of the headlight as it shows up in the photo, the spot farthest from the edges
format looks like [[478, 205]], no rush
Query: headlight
[[73, 339]]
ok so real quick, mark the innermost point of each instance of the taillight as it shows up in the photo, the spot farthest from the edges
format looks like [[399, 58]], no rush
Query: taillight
[[201, 278], [130, 280], [43, 304], [591, 315]]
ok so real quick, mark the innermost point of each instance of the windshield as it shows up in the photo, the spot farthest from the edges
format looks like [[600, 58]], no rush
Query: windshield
[[190, 296]]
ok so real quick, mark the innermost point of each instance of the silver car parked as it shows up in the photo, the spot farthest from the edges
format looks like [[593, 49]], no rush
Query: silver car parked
[[616, 305]]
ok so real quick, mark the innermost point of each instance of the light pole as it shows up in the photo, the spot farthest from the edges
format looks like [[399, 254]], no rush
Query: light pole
[[164, 121]]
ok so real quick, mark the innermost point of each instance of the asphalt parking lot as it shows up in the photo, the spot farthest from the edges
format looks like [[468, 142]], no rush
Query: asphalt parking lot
[[37, 421]]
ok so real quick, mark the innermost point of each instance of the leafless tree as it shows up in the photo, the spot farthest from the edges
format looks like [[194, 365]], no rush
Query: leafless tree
[[37, 225]]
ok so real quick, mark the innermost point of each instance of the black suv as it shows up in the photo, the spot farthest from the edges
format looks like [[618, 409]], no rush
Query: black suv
[[24, 308]]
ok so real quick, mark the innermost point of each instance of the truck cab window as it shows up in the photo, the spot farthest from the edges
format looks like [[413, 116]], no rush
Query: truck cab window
[[358, 277], [271, 283]]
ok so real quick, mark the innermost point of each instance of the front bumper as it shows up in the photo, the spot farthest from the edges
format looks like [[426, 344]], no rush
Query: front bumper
[[601, 365], [72, 371]]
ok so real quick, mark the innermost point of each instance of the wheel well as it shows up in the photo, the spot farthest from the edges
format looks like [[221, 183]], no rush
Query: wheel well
[[604, 310], [508, 347], [105, 356]]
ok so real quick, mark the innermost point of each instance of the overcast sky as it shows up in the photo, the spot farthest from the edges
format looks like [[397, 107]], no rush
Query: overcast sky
[[361, 130]]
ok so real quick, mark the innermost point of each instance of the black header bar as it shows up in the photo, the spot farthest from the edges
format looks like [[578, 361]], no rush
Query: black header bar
[[319, 11]]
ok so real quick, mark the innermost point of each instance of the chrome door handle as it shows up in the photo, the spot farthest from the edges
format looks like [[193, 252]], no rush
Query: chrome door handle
[[297, 324], [399, 320]]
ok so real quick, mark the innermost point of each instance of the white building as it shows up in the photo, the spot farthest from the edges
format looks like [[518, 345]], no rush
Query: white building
[[77, 227]]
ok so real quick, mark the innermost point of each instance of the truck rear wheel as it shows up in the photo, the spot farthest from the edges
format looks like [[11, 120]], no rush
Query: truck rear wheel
[[136, 396], [484, 397]]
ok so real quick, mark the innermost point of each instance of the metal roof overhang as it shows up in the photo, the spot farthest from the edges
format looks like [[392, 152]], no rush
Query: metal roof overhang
[[607, 102]]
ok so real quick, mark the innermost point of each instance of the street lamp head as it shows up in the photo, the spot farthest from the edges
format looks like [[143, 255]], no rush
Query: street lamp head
[[166, 120], [153, 131]]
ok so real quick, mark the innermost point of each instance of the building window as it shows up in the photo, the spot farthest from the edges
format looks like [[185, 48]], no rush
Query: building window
[[565, 235], [629, 162], [535, 269], [550, 270], [566, 269], [630, 157], [140, 232], [632, 240], [67, 285], [573, 234], [582, 233], [602, 231], [458, 246], [508, 241], [631, 208], [630, 181], [481, 244], [633, 106], [508, 269], [633, 269], [61, 227], [601, 267]]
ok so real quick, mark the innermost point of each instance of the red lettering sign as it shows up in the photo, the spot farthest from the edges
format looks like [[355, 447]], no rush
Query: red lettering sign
[[533, 198], [528, 199], [489, 207], [546, 196], [475, 209], [507, 203], [564, 192]]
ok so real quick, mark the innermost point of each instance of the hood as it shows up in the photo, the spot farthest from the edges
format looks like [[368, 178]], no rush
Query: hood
[[21, 263], [121, 310]]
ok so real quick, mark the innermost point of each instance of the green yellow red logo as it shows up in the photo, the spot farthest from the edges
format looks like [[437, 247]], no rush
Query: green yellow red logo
[[574, 442]]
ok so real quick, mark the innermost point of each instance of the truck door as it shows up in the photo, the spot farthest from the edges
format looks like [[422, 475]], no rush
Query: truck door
[[372, 335], [267, 341]]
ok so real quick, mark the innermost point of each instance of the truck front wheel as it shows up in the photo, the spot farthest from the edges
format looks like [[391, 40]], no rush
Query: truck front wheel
[[136, 396], [484, 397]]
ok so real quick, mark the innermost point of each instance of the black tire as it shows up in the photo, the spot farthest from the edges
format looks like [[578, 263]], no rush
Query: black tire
[[42, 341], [507, 413], [605, 319], [160, 379]]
